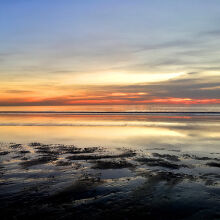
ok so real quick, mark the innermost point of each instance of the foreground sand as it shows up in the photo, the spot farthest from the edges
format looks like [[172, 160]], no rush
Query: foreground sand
[[65, 182]]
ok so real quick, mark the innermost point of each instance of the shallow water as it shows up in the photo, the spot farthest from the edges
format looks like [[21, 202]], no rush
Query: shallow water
[[64, 166], [184, 131]]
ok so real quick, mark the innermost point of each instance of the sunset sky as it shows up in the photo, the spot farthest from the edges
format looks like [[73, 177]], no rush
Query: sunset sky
[[78, 52]]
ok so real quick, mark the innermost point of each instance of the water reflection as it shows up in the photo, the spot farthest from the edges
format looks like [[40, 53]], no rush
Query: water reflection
[[157, 165], [137, 131]]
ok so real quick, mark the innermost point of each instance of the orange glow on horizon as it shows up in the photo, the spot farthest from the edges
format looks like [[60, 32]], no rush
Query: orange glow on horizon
[[100, 100]]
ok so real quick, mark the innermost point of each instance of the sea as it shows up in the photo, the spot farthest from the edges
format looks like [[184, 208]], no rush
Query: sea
[[106, 162], [193, 127]]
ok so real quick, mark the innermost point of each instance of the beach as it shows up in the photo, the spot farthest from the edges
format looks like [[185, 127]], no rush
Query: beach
[[111, 166], [109, 110]]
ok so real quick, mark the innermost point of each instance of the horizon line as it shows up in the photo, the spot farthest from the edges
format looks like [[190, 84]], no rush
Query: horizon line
[[111, 112]]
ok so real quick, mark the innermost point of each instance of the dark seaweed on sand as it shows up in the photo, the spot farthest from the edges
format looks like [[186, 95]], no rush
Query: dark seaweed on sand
[[24, 151], [194, 157], [38, 161], [159, 162], [14, 146], [167, 156], [4, 153], [213, 164], [82, 188], [86, 150], [112, 164], [97, 157], [58, 150], [124, 185], [63, 163], [34, 144]]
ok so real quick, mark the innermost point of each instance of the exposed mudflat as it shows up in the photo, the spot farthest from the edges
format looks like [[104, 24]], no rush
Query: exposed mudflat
[[52, 181]]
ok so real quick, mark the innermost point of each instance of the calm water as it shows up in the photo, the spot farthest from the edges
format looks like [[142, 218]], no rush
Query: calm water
[[94, 166], [182, 130]]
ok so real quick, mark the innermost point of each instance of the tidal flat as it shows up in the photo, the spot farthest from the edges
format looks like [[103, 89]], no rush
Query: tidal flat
[[54, 181]]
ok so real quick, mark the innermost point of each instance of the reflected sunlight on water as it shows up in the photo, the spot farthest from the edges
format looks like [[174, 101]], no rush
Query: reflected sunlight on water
[[137, 131], [141, 158]]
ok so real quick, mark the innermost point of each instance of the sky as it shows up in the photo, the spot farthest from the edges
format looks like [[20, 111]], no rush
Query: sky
[[75, 52]]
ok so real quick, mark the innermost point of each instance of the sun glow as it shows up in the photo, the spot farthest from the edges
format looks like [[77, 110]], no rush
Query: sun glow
[[121, 78]]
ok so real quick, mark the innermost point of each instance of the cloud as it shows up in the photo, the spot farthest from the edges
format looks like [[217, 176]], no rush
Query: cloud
[[211, 33], [89, 58]]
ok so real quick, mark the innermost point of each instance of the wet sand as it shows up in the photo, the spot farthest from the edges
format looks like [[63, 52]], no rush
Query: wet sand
[[53, 181]]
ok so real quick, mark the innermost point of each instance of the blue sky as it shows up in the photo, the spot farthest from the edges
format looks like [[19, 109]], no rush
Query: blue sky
[[83, 47]]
